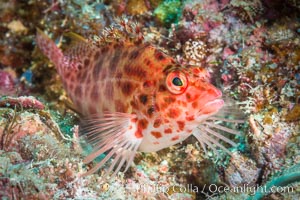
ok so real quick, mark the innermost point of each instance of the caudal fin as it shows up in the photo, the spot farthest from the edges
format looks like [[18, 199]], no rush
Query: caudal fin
[[49, 48]]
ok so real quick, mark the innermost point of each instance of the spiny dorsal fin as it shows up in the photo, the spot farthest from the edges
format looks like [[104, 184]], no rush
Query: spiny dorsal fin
[[77, 48], [124, 29], [49, 48]]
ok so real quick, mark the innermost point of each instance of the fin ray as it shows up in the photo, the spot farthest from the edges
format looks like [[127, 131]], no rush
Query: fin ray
[[108, 134], [202, 138], [213, 140], [223, 128], [49, 48]]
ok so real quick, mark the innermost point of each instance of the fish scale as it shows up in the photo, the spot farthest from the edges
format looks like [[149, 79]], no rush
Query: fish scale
[[133, 97]]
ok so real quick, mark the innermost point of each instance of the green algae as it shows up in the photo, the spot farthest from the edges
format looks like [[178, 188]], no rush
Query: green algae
[[168, 12], [65, 121]]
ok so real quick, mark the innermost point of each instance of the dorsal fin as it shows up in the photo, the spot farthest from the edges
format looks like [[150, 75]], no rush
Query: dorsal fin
[[123, 29], [69, 59], [77, 48], [49, 48]]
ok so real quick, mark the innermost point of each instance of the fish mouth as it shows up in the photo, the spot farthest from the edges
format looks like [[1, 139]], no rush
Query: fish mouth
[[212, 107]]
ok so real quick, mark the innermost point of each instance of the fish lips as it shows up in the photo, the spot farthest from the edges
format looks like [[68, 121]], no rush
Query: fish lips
[[212, 107]]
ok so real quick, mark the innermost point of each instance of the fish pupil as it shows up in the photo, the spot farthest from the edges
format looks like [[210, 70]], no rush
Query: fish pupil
[[177, 81]]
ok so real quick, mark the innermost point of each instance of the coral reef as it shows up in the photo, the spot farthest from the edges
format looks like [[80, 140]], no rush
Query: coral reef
[[241, 171], [247, 11], [250, 48]]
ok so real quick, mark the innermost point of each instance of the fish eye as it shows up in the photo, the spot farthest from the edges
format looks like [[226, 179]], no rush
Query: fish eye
[[176, 82]]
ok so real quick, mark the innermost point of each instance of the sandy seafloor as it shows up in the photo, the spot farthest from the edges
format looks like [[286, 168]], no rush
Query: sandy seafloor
[[251, 49]]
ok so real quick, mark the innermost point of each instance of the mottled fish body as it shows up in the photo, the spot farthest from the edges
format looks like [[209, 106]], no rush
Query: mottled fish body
[[133, 96]]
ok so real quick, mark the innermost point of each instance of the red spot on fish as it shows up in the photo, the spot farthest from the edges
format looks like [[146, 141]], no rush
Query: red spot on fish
[[159, 55], [138, 134], [175, 138], [79, 67], [134, 104], [150, 111], [147, 62], [164, 106], [127, 88], [97, 55], [136, 71], [190, 118], [214, 91], [169, 100], [104, 49], [157, 123], [168, 131], [195, 104], [156, 134], [162, 88], [143, 98], [156, 107], [191, 98], [147, 84], [188, 97], [181, 125], [142, 124], [183, 103], [156, 142], [86, 62], [134, 54], [174, 113], [67, 75]]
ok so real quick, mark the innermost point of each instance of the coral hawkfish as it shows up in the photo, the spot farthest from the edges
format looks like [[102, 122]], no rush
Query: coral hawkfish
[[133, 97]]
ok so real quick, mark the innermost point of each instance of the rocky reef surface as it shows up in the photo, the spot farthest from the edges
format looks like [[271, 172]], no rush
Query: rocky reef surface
[[252, 50]]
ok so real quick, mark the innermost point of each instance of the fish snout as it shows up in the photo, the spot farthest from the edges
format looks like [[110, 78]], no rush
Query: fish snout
[[214, 92], [211, 101]]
